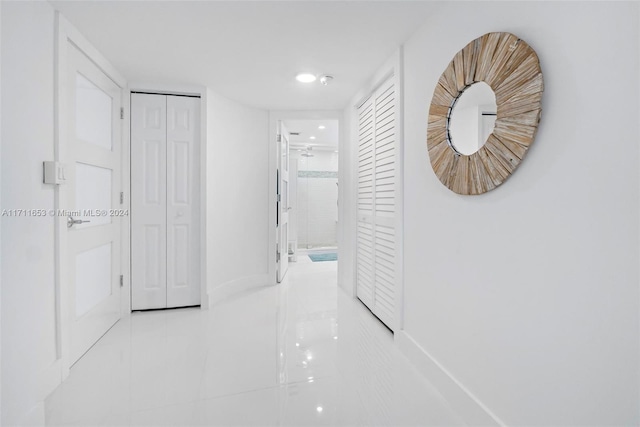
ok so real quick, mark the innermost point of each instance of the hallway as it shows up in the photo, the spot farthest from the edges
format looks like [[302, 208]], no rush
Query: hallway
[[302, 353]]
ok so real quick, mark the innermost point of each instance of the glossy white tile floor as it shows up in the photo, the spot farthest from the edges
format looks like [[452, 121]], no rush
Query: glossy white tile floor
[[301, 353]]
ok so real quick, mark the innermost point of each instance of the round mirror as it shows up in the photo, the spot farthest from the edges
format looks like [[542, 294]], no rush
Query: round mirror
[[496, 145], [471, 118]]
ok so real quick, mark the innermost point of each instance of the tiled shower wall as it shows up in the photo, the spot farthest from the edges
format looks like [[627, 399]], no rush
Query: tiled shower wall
[[317, 199]]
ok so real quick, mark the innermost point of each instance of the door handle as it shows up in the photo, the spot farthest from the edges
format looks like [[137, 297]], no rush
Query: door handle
[[71, 221]]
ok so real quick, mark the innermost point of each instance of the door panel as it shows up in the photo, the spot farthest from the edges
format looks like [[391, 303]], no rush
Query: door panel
[[93, 113], [183, 201], [93, 277], [94, 159], [93, 191], [153, 255], [148, 201]]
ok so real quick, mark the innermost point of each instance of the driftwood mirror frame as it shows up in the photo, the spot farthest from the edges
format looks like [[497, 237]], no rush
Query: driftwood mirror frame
[[512, 69]]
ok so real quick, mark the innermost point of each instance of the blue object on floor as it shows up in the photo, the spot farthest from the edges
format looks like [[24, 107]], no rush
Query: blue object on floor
[[330, 256]]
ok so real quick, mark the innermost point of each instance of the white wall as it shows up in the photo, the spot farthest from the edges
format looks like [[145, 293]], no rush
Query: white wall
[[28, 300], [348, 172], [528, 295], [237, 193], [317, 196]]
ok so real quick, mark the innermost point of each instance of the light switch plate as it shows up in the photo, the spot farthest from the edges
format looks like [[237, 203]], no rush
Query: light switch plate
[[54, 173]]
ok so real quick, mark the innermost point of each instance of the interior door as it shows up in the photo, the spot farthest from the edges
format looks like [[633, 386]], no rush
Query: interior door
[[93, 168], [365, 224], [282, 256], [165, 205], [183, 201], [376, 203], [148, 201]]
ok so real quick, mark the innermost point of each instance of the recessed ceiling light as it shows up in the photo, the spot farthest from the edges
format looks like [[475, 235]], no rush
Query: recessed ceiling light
[[321, 127], [306, 78], [312, 137]]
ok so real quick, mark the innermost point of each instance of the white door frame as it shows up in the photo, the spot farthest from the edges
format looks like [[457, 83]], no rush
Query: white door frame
[[274, 118], [168, 89], [282, 235], [65, 34]]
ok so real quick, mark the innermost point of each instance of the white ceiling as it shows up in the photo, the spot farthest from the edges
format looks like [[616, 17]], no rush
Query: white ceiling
[[325, 139], [250, 51]]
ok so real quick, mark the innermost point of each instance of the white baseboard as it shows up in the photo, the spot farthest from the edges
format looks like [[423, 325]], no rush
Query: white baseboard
[[462, 401], [50, 379], [35, 417], [224, 291]]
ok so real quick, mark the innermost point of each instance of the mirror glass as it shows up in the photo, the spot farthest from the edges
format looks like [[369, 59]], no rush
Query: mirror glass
[[472, 118]]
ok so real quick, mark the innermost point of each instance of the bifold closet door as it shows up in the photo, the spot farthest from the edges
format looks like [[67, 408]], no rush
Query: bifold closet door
[[165, 201], [376, 201]]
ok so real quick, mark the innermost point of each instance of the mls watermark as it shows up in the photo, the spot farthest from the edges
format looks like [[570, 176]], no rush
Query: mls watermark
[[94, 213]]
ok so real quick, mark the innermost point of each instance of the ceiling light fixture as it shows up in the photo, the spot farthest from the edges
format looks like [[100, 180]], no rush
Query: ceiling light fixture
[[326, 79], [312, 137], [321, 127], [306, 78]]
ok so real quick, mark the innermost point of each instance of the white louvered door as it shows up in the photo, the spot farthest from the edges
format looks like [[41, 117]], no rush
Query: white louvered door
[[364, 240], [376, 242]]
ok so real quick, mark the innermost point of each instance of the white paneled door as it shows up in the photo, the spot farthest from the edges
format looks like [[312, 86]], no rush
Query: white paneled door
[[93, 161], [283, 207], [165, 201], [376, 203]]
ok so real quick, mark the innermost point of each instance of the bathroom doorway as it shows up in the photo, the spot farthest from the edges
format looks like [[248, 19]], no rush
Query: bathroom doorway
[[314, 204], [313, 190]]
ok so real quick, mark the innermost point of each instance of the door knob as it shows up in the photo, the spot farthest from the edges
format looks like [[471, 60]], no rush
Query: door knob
[[71, 221]]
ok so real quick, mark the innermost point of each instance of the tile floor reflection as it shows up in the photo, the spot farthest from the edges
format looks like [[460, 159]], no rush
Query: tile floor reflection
[[301, 353]]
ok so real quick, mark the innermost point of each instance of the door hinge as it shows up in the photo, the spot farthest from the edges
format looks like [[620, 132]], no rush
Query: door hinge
[[121, 197], [122, 112], [121, 280], [279, 138]]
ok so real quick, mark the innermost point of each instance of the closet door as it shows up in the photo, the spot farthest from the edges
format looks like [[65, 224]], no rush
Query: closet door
[[183, 201], [148, 201], [376, 241], [364, 240], [165, 201]]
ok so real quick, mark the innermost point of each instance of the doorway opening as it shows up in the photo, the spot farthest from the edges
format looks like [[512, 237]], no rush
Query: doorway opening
[[307, 220], [313, 221]]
